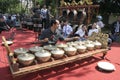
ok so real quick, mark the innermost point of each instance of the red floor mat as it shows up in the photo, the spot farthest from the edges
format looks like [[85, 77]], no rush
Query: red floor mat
[[80, 70]]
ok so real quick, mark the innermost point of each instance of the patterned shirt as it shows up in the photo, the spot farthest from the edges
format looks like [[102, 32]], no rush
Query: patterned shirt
[[67, 30], [80, 32], [44, 13]]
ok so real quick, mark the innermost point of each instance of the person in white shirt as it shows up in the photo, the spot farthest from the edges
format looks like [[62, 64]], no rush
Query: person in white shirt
[[81, 32], [5, 18], [44, 16], [67, 29], [94, 29], [99, 23]]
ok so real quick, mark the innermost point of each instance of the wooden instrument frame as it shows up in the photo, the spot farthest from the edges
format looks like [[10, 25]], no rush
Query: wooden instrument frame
[[90, 11], [18, 70]]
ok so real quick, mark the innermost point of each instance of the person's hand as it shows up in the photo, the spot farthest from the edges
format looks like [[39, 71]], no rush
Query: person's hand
[[34, 42], [76, 38], [85, 36], [46, 40]]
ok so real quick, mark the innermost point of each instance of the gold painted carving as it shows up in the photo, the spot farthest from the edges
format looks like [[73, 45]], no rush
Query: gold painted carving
[[101, 37]]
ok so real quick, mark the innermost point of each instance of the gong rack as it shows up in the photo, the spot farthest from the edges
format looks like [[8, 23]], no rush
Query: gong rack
[[90, 9], [18, 70]]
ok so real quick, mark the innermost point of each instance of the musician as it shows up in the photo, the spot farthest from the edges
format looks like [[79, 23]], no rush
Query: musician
[[81, 32], [67, 29], [52, 35], [94, 29]]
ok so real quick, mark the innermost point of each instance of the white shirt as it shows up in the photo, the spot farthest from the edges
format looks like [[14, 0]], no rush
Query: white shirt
[[5, 18], [13, 17], [117, 27], [92, 30], [100, 24], [67, 29], [80, 32], [43, 13], [59, 28]]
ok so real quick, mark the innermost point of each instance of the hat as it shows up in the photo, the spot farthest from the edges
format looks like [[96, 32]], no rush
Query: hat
[[99, 17]]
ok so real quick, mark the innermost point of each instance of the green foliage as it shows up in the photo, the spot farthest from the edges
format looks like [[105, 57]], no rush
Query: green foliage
[[108, 6], [38, 1], [54, 7], [13, 6], [8, 5]]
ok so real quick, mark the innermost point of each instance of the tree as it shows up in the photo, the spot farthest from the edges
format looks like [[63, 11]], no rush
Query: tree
[[8, 5], [108, 6]]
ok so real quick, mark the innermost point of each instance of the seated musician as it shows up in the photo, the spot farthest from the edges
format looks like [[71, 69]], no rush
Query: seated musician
[[67, 29], [3, 25], [52, 35], [94, 29], [81, 32]]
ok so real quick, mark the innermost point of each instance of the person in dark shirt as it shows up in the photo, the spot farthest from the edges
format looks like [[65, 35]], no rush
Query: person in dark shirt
[[52, 35], [9, 21], [36, 9], [3, 25], [115, 30], [37, 22]]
